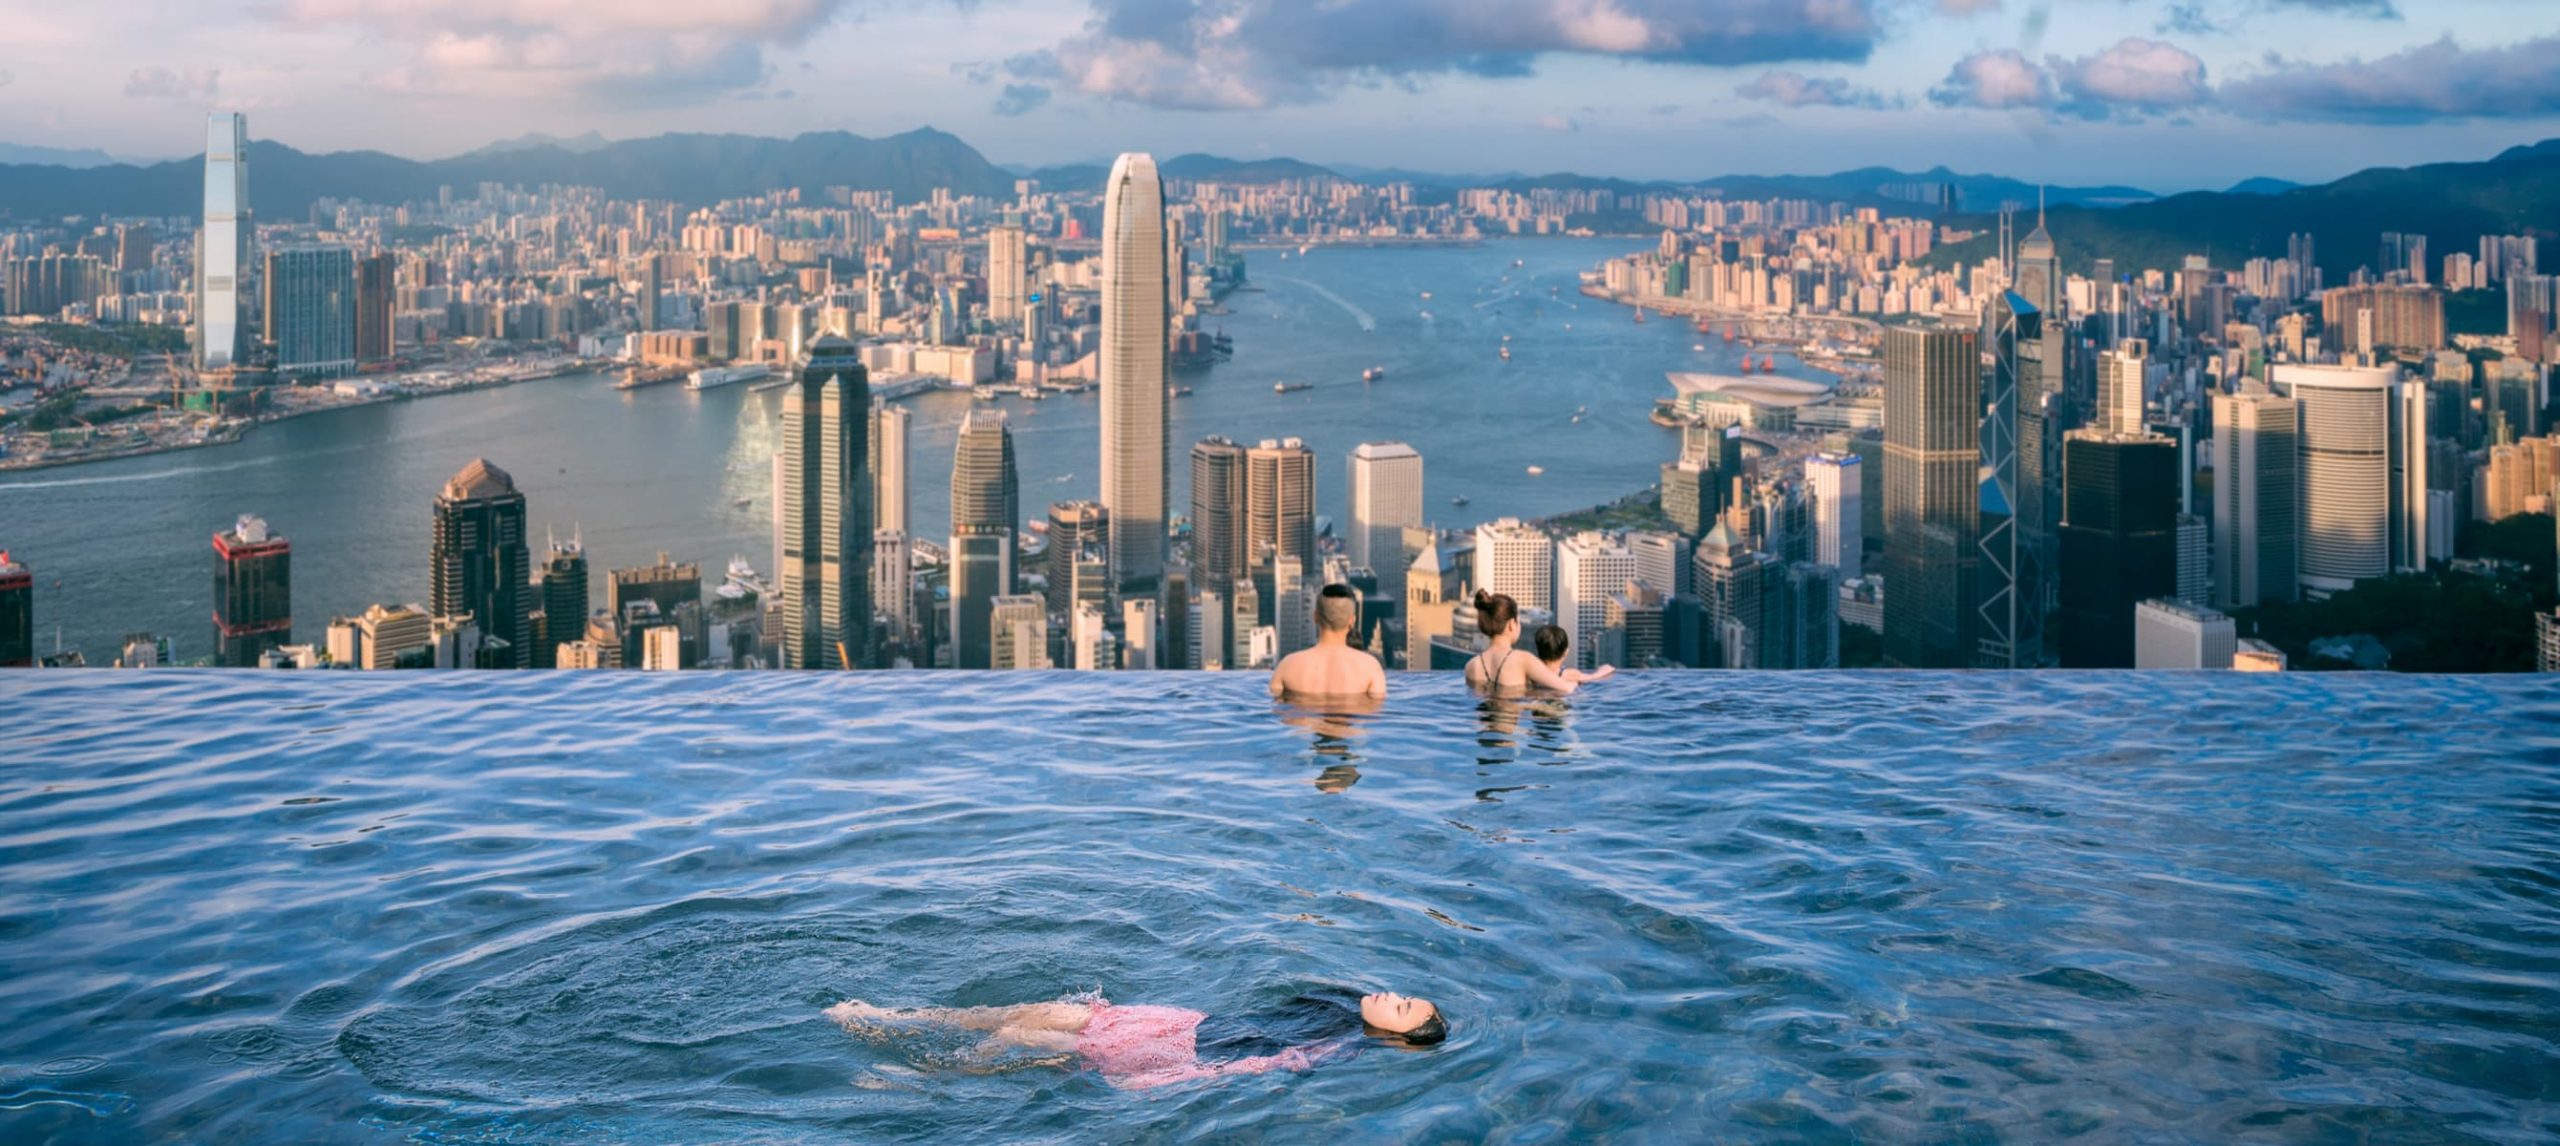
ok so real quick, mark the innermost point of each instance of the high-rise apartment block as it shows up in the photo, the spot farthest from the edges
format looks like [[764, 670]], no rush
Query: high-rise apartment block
[[1836, 486], [311, 310], [2257, 491], [1589, 567], [1518, 560], [1219, 553]]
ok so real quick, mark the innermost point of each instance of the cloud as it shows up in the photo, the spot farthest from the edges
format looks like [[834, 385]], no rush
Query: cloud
[[2135, 76], [1021, 99], [2442, 80], [1795, 89], [163, 83], [652, 51], [2131, 79], [1967, 7], [2190, 20], [1244, 54], [2370, 9], [1998, 79], [1563, 123]]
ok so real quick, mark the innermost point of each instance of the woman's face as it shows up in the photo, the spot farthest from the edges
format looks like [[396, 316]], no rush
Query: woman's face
[[1394, 1013]]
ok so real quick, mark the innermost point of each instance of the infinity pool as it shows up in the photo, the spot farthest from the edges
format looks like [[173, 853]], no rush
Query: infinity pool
[[608, 907]]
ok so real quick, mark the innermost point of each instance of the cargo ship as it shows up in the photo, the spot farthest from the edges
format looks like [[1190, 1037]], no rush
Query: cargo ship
[[1291, 387]]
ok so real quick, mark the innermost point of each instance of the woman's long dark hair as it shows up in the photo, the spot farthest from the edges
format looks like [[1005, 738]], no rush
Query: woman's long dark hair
[[1313, 1016], [1318, 1014], [1495, 612]]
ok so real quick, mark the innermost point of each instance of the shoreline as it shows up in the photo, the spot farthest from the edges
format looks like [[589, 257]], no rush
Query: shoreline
[[237, 430]]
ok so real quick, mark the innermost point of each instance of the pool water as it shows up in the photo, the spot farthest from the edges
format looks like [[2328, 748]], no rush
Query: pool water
[[609, 907]]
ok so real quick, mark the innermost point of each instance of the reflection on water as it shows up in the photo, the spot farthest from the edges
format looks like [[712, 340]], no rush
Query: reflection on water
[[1336, 725], [1909, 907]]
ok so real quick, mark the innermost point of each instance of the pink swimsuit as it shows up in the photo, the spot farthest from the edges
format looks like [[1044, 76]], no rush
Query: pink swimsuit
[[1139, 1047]]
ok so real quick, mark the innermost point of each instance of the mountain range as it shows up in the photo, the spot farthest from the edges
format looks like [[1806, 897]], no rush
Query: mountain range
[[2452, 203]]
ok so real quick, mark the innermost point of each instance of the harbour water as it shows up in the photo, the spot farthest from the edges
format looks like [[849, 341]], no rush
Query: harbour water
[[1677, 907], [665, 468]]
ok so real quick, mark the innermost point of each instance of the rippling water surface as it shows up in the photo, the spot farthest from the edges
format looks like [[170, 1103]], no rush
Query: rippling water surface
[[609, 906]]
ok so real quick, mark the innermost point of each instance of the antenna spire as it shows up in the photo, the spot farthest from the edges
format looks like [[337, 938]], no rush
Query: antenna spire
[[2039, 206]]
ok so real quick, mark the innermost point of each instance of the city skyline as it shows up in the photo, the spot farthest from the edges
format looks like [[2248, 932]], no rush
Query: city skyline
[[2168, 96]]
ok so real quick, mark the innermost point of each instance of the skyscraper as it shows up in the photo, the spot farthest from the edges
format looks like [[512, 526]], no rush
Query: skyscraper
[[1386, 500], [1132, 366], [17, 613], [1076, 528], [252, 593], [2006, 618], [824, 513], [1933, 506], [222, 245], [1589, 567], [893, 584], [985, 507], [888, 461], [2119, 541], [1838, 485], [2256, 496], [1218, 536], [1280, 502], [2346, 468], [2409, 501], [1516, 560], [1005, 275], [376, 298], [2120, 386], [311, 310], [478, 563], [564, 599]]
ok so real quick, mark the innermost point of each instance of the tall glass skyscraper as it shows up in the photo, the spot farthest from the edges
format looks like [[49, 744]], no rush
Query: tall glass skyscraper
[[222, 244], [1386, 500], [252, 593], [1218, 550], [986, 508], [478, 563], [1933, 497], [564, 599], [1135, 322], [824, 513], [2119, 541]]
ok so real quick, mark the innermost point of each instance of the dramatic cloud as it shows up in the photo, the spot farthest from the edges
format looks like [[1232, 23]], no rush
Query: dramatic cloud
[[664, 51], [2133, 78], [2135, 75], [1237, 54], [1998, 79], [1795, 89], [1021, 99], [162, 83], [2442, 80]]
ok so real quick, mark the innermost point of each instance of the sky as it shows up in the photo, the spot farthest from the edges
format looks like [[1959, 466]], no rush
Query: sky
[[2163, 94]]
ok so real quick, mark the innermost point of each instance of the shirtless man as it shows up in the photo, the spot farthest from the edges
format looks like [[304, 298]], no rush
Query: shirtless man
[[1332, 668]]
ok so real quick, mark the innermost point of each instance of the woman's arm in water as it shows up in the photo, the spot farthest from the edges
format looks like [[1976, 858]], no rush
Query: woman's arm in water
[[1021, 1019]]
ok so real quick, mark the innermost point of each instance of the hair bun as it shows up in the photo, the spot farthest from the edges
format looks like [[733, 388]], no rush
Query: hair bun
[[1484, 600]]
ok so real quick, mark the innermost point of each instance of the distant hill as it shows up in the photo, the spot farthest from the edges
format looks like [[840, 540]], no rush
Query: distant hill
[[54, 156], [1198, 168], [692, 169], [2453, 204], [2262, 185]]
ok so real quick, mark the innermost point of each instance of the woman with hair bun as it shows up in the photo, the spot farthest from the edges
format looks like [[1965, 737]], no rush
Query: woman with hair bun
[[1499, 670]]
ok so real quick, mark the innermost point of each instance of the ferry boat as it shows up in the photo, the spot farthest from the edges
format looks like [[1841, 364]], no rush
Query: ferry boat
[[1291, 387], [1506, 354], [1177, 391], [742, 585], [1515, 262], [1426, 296], [1537, 471], [1373, 373], [983, 393], [714, 377], [1461, 499], [1698, 346]]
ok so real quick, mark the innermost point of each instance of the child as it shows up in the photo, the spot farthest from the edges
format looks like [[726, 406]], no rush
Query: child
[[1550, 642]]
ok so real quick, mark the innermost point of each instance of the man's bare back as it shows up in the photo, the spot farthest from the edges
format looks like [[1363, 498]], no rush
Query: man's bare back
[[1332, 668]]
